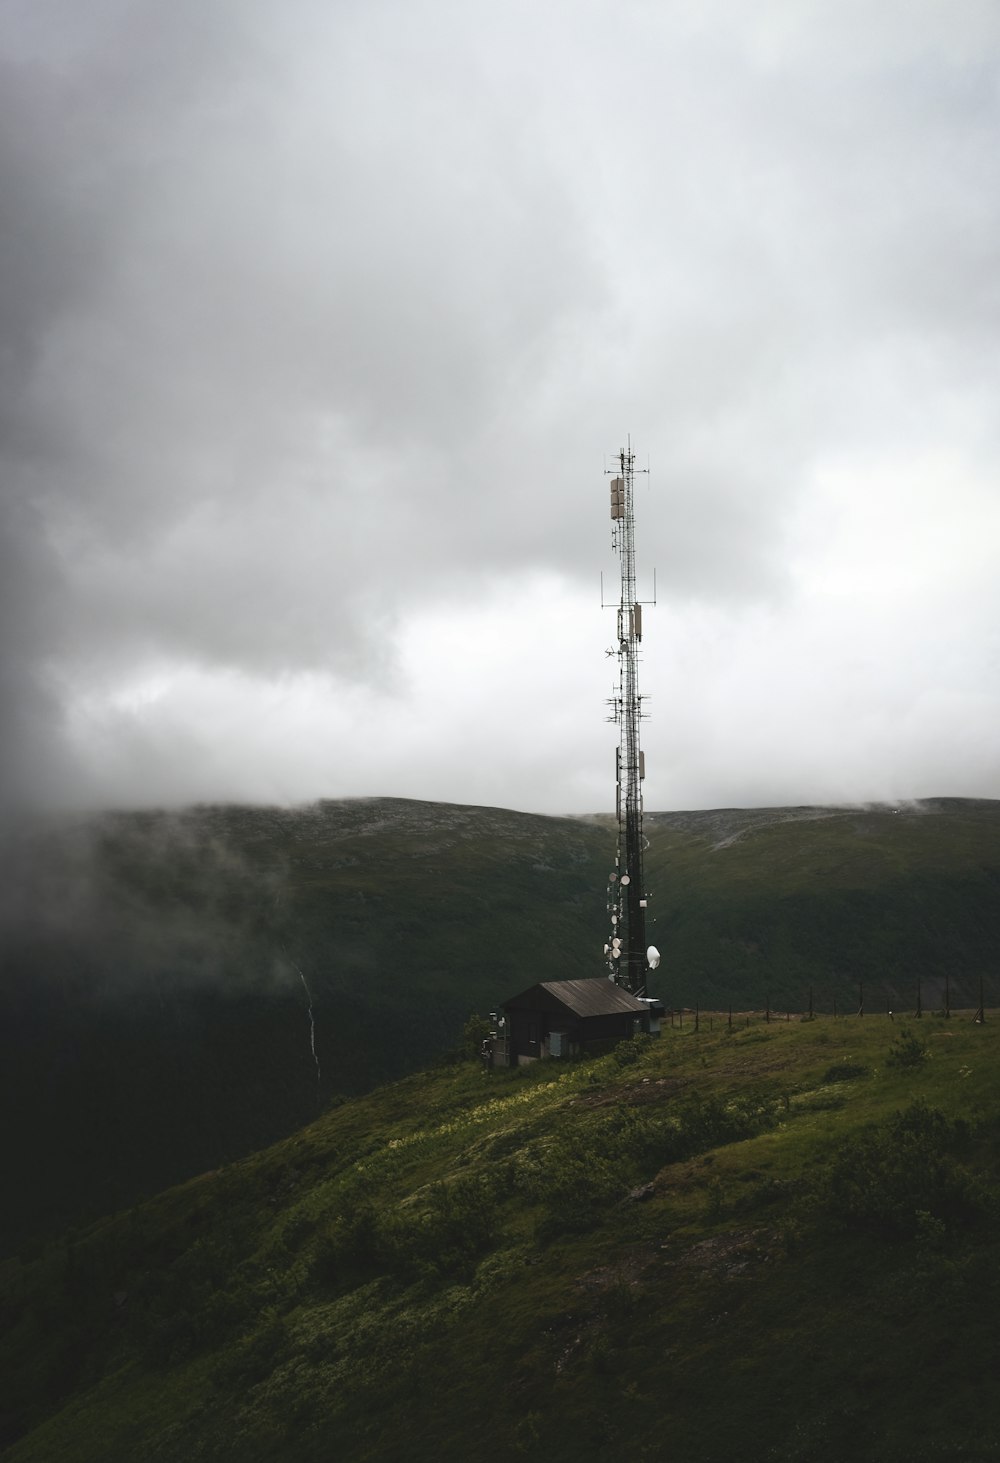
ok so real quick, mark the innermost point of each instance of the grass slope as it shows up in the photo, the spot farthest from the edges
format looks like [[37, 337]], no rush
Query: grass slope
[[775, 901], [774, 1242], [159, 967]]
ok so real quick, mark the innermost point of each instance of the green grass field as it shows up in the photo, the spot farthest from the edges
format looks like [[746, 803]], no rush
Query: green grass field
[[775, 1242]]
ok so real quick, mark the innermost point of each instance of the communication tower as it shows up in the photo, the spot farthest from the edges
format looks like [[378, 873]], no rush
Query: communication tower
[[628, 957]]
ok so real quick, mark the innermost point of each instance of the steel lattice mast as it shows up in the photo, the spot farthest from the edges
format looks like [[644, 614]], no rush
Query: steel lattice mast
[[626, 948]]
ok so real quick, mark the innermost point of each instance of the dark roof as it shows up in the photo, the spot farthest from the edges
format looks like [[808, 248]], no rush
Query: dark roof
[[594, 997]]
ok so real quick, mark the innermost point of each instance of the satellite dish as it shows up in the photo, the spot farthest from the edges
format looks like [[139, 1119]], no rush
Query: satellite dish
[[616, 942], [652, 957], [626, 879], [612, 877]]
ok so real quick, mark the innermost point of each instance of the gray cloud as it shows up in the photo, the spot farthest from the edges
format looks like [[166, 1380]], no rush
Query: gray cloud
[[318, 320]]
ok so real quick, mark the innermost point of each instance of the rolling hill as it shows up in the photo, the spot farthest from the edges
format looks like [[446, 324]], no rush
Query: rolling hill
[[773, 1242], [180, 989]]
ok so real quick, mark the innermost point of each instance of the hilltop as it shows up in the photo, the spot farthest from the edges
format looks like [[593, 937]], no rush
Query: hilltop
[[168, 975], [771, 902], [771, 1241]]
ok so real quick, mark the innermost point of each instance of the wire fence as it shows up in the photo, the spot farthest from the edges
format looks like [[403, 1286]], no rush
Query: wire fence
[[884, 1004]]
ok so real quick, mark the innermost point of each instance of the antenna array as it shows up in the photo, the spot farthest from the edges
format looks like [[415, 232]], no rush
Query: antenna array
[[627, 899]]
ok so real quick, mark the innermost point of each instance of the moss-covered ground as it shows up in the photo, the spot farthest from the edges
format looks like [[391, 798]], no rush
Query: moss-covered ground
[[774, 1242]]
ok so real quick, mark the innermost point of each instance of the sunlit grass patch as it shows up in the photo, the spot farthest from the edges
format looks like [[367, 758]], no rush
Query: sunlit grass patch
[[374, 1277]]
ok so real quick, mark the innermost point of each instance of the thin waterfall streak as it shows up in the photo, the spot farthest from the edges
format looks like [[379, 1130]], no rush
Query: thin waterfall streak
[[312, 1023]]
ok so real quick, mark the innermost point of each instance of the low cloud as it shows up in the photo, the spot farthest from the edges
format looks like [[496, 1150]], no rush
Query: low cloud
[[319, 324]]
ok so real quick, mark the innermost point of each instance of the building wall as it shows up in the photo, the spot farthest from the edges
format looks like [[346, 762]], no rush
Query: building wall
[[528, 1032]]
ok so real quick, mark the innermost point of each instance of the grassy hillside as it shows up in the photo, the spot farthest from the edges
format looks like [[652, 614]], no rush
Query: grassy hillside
[[778, 900], [774, 1242], [159, 969]]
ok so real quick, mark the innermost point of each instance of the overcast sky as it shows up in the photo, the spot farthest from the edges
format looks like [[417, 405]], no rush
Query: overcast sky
[[319, 320]]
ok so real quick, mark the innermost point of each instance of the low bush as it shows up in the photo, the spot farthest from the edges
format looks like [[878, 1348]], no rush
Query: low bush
[[595, 1164], [696, 1124], [907, 1051], [578, 1190], [445, 1232], [890, 1180], [628, 1052], [446, 1235]]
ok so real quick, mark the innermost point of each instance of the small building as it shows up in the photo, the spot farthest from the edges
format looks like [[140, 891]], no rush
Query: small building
[[561, 1018]]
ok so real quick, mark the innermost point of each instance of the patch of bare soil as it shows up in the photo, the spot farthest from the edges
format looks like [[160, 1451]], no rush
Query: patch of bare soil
[[729, 1254], [608, 1287], [650, 1089]]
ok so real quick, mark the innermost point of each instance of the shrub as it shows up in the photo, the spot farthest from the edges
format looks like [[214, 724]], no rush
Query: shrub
[[592, 1166], [456, 1225], [891, 1180], [444, 1234], [347, 1245], [700, 1123], [578, 1190], [629, 1051], [907, 1051], [474, 1033]]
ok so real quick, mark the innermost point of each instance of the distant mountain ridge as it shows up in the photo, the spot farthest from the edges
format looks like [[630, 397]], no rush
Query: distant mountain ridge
[[164, 973]]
